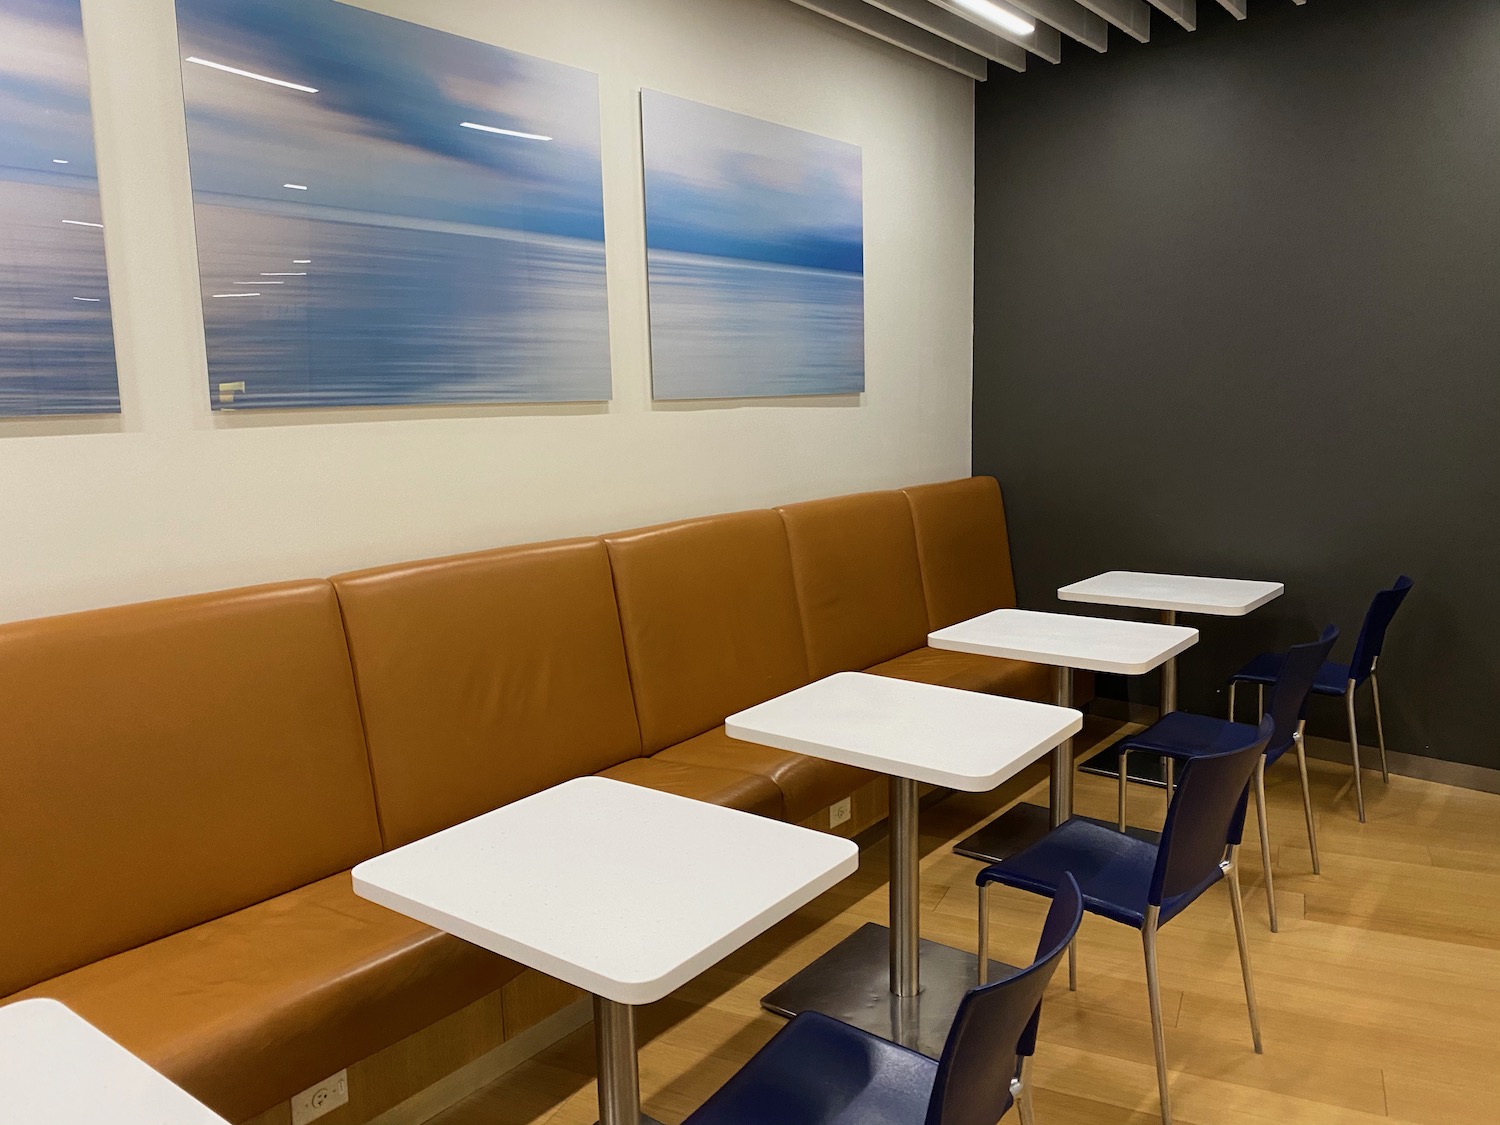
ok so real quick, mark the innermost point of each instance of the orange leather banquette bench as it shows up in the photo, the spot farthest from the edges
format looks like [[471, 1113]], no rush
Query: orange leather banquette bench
[[185, 784]]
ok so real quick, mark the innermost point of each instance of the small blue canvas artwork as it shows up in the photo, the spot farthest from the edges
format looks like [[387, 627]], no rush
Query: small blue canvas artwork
[[389, 214], [57, 345], [755, 255]]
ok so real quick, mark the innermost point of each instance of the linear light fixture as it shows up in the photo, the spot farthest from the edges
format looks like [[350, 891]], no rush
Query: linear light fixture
[[90, 300], [81, 223], [502, 132], [56, 161], [1000, 17], [301, 261], [295, 187], [236, 294], [252, 74], [260, 282], [284, 274]]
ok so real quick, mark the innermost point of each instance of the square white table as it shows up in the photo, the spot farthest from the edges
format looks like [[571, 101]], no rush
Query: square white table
[[1067, 642], [894, 984], [56, 1068], [623, 891], [1171, 594]]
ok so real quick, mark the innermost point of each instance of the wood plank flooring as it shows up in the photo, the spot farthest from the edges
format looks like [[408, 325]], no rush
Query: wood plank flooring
[[1379, 998]]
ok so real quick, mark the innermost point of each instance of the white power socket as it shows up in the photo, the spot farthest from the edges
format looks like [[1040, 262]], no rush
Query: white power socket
[[840, 812], [317, 1100]]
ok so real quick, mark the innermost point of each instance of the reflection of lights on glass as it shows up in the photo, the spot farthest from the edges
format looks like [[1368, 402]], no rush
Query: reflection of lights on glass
[[59, 161], [295, 187], [1002, 17], [301, 261], [252, 74], [236, 294], [282, 275], [503, 132], [81, 223], [90, 300]]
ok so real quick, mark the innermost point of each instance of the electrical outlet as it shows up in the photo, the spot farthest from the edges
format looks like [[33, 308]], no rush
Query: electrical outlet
[[840, 812], [317, 1100]]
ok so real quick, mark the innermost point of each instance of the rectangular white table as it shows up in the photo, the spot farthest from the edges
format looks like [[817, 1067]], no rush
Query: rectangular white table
[[893, 983], [1068, 643], [1171, 594], [623, 891], [58, 1069]]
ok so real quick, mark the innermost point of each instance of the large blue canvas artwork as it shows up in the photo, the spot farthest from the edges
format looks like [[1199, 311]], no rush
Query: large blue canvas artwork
[[57, 347], [755, 255], [388, 214]]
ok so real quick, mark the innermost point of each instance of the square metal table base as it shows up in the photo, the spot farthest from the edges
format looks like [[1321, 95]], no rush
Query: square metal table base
[[1020, 827], [852, 982]]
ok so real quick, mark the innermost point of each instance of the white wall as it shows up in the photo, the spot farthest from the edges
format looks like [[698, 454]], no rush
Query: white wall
[[172, 499]]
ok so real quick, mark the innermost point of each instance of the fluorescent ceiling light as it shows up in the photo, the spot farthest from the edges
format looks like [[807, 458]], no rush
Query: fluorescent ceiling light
[[1000, 17], [252, 74], [59, 161], [503, 132], [301, 261], [295, 187], [90, 300], [262, 282], [81, 223], [236, 294], [283, 275]]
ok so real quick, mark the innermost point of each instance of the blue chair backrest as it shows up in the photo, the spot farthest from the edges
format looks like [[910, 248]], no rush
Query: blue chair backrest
[[1206, 816], [1294, 684], [1372, 633], [996, 1026]]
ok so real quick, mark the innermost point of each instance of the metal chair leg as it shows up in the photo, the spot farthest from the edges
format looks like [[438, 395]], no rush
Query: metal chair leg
[[1232, 685], [1359, 789], [1169, 771], [1124, 773], [983, 955], [1265, 838], [1385, 770], [1260, 701], [1312, 830], [1237, 906], [1153, 992], [1073, 965], [1020, 1090]]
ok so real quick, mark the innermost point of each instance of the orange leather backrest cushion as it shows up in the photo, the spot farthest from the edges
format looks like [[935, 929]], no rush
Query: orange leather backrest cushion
[[167, 763], [859, 584], [484, 678], [964, 548], [711, 624]]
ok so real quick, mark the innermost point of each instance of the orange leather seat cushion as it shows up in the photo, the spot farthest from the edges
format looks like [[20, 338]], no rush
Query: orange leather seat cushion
[[964, 547], [807, 784], [732, 788], [994, 675], [484, 678], [246, 1010], [171, 762], [859, 582]]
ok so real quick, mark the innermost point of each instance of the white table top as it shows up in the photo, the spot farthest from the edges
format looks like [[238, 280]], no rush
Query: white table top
[[1096, 644], [1222, 597], [621, 890], [940, 735], [58, 1069]]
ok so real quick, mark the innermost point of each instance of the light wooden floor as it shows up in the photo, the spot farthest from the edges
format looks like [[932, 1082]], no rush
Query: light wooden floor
[[1380, 997]]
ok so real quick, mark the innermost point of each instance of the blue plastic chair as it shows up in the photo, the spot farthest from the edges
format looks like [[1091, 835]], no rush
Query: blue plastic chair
[[818, 1071], [1145, 885], [1181, 736], [1342, 680]]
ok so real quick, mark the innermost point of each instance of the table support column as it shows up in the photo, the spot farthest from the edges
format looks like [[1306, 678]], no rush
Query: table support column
[[1061, 798], [905, 901], [1168, 695], [615, 1056]]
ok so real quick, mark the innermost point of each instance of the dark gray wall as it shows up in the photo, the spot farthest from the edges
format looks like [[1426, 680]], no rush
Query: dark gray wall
[[1238, 313]]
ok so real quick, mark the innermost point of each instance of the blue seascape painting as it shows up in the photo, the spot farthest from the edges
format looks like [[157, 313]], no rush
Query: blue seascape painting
[[57, 345], [755, 255], [388, 214]]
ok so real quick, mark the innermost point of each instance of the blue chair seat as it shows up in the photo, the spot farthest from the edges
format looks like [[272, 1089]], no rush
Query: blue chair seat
[[818, 1071], [1182, 735], [1332, 678], [1113, 870]]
